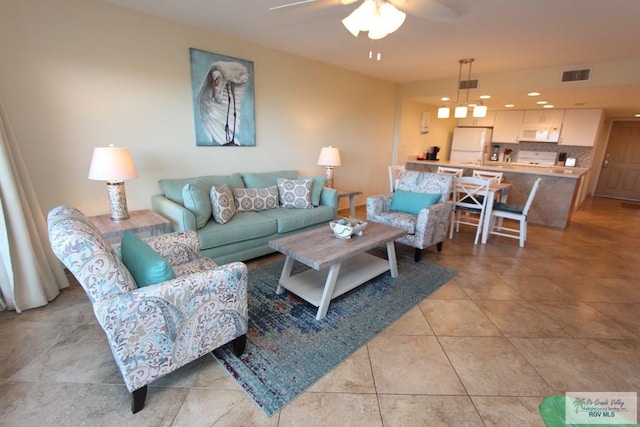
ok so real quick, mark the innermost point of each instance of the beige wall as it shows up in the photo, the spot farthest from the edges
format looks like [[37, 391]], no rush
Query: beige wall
[[76, 74]]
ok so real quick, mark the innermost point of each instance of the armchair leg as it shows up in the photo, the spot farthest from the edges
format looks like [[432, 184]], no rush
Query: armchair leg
[[417, 255], [139, 396], [239, 344], [439, 246]]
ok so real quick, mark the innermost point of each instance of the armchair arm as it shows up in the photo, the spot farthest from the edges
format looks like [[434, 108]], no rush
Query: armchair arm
[[156, 329], [182, 219], [433, 222], [378, 204], [176, 248]]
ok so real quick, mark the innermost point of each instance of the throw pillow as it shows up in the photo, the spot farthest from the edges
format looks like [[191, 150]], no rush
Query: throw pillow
[[413, 203], [223, 205], [255, 199], [295, 193], [196, 198], [316, 188], [145, 265]]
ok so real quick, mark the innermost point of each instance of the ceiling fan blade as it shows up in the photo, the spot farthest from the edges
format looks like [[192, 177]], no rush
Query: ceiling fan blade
[[295, 3], [427, 9]]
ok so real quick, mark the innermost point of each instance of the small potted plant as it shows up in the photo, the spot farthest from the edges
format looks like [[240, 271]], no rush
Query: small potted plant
[[507, 154]]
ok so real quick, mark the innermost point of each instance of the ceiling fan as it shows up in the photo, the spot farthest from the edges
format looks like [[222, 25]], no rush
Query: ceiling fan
[[426, 9]]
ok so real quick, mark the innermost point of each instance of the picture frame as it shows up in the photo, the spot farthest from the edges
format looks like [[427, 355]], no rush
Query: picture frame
[[223, 100]]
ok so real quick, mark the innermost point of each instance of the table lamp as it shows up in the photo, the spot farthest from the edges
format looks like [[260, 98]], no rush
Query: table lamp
[[113, 165], [329, 158]]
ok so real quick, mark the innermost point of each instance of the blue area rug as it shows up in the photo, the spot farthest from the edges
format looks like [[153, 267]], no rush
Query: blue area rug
[[288, 349]]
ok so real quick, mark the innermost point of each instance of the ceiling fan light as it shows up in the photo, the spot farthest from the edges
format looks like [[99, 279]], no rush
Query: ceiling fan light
[[480, 111], [360, 19], [460, 112], [391, 17], [443, 112]]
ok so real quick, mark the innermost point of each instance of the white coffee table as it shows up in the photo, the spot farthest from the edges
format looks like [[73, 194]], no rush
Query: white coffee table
[[347, 263]]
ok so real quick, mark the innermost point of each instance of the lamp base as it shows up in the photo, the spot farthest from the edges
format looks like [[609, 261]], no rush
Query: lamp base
[[328, 173], [117, 201]]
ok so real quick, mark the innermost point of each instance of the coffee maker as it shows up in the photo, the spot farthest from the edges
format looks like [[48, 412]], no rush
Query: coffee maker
[[432, 154], [495, 152]]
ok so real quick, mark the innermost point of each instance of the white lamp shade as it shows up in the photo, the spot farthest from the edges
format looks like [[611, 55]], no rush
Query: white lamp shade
[[460, 112], [112, 164], [443, 112], [329, 156], [480, 111]]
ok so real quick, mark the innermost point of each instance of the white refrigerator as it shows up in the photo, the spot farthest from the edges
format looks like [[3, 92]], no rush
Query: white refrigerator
[[469, 144]]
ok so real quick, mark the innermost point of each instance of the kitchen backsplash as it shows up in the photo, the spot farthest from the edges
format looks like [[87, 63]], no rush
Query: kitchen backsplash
[[583, 155]]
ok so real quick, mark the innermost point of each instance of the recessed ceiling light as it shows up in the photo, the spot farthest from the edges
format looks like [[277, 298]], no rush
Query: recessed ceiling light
[[485, 96], [533, 94], [541, 102], [548, 106], [471, 104], [509, 105], [637, 115], [444, 98]]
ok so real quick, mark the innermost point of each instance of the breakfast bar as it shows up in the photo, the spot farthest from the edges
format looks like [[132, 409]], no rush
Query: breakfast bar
[[554, 200]]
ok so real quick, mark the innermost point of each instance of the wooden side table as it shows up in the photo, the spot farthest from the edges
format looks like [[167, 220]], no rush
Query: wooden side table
[[352, 203], [144, 222]]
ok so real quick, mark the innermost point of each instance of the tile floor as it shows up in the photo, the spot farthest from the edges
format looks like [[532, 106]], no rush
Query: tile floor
[[513, 326]]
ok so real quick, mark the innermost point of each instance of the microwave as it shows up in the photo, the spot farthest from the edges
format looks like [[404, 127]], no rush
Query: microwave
[[540, 132]]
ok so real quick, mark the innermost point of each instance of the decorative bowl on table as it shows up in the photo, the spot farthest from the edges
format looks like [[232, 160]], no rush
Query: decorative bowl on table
[[344, 228]]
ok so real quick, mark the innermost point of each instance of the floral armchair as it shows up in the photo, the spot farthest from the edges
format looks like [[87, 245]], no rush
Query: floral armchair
[[429, 227], [156, 329]]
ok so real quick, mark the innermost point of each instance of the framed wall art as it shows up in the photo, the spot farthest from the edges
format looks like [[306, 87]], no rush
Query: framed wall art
[[223, 100]]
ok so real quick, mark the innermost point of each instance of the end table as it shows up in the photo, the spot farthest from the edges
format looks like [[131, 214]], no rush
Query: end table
[[144, 222], [351, 195]]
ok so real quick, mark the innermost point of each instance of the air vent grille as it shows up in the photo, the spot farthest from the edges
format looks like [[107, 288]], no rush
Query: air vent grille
[[469, 84], [576, 75]]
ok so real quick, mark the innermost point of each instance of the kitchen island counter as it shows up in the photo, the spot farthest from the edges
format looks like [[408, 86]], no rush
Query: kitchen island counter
[[556, 195]]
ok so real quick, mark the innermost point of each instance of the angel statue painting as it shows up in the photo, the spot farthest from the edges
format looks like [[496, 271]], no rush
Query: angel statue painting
[[223, 100]]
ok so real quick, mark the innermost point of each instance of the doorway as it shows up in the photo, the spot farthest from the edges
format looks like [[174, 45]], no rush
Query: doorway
[[620, 170]]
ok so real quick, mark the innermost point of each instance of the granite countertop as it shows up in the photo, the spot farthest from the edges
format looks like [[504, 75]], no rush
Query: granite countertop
[[556, 171]]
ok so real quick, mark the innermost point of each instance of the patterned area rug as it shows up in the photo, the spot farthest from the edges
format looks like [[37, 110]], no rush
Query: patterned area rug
[[288, 349]]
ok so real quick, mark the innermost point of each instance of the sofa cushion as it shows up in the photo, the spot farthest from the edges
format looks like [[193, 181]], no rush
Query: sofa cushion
[[316, 188], [222, 203], [266, 179], [145, 265], [296, 219], [196, 198], [255, 199], [413, 203], [172, 188], [243, 226], [295, 193]]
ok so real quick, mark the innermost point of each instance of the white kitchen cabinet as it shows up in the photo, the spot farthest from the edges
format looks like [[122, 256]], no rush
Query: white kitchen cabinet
[[581, 127], [506, 128], [478, 121], [543, 116]]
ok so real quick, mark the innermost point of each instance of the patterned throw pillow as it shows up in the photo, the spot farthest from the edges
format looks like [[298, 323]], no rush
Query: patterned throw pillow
[[222, 203], [256, 199], [295, 193]]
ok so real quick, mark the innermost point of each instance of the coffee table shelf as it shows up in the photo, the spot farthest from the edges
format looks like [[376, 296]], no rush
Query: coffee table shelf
[[309, 285]]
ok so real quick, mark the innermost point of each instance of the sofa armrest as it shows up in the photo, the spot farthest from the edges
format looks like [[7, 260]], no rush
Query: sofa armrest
[[158, 328], [329, 197], [182, 219]]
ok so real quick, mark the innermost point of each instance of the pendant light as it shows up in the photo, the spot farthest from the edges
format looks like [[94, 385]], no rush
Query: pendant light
[[461, 110]]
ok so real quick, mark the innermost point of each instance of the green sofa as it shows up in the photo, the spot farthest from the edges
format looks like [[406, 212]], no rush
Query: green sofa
[[246, 234]]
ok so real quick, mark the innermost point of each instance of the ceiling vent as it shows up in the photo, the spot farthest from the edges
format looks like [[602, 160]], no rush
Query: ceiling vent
[[468, 84], [576, 75]]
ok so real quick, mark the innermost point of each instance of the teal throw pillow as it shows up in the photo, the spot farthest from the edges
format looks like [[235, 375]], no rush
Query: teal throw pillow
[[196, 198], [316, 188], [409, 202], [145, 265]]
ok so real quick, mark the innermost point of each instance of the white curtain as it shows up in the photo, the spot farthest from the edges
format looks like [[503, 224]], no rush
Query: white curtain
[[30, 274]]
